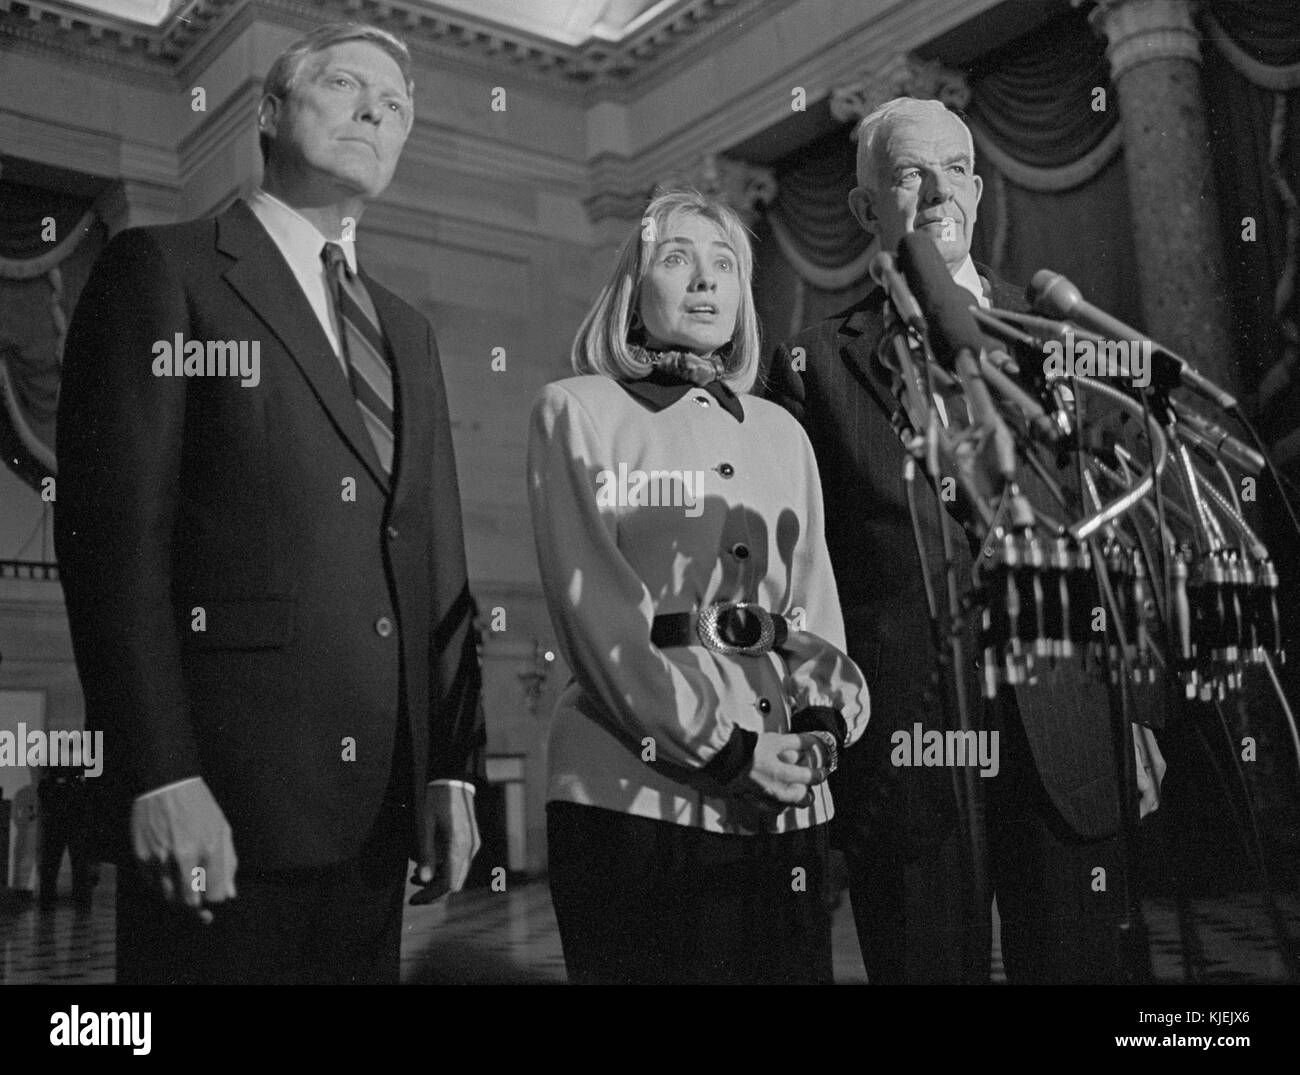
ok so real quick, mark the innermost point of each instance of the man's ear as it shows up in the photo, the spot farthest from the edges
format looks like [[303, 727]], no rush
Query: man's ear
[[268, 115], [979, 188], [860, 207]]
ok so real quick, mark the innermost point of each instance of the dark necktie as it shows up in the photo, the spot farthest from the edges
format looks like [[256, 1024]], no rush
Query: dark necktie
[[365, 352]]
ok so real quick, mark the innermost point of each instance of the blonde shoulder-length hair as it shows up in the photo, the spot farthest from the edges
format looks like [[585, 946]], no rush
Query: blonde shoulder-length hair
[[602, 344]]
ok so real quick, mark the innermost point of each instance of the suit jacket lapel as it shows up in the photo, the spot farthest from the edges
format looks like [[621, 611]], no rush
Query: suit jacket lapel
[[858, 337], [265, 282], [1002, 295]]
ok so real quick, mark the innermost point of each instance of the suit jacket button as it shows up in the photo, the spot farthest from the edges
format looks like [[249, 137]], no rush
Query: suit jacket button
[[764, 706], [383, 627], [392, 533], [740, 551], [726, 470]]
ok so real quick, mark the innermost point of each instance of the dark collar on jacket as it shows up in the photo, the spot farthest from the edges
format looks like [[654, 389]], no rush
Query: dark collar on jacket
[[661, 390]]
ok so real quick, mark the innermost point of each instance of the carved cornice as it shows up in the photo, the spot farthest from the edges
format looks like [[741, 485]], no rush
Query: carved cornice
[[904, 76], [162, 53], [80, 35]]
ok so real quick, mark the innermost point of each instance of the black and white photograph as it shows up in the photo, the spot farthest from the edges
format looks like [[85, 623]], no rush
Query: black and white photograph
[[727, 494]]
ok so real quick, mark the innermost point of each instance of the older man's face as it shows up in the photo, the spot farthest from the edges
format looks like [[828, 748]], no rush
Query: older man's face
[[924, 181], [342, 128]]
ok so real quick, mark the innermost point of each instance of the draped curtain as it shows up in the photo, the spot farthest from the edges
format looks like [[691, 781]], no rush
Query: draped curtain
[[1045, 119], [1251, 74], [42, 236]]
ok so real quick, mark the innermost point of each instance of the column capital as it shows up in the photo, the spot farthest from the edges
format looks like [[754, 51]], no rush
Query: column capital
[[736, 183], [1139, 31], [903, 76]]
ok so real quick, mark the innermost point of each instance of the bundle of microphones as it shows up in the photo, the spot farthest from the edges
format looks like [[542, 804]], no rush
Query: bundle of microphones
[[1194, 593]]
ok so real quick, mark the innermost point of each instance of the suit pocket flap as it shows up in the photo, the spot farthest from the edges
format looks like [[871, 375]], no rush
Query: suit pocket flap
[[262, 623]]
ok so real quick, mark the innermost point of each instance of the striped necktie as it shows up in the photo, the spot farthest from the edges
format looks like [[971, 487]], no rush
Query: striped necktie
[[365, 351]]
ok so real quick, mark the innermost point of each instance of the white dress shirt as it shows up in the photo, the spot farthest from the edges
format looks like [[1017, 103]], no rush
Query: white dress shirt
[[300, 242], [969, 278]]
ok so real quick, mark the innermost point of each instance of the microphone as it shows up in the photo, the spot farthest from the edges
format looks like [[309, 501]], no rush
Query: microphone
[[886, 275], [1052, 293], [1217, 441], [1028, 330], [946, 305], [955, 338], [996, 365]]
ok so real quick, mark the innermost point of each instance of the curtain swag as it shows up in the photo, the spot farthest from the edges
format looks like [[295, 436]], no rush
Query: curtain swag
[[1265, 76], [824, 277], [1048, 180], [30, 268]]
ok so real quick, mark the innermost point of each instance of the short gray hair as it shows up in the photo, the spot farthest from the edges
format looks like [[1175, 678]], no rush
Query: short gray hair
[[284, 71], [877, 127]]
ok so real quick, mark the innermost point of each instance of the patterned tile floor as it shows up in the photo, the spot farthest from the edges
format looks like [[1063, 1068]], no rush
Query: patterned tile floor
[[484, 937]]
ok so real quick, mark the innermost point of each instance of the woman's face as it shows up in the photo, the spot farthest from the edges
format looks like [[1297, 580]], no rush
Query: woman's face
[[691, 291]]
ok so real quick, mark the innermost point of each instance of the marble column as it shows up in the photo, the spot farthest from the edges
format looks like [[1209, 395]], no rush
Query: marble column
[[1154, 53]]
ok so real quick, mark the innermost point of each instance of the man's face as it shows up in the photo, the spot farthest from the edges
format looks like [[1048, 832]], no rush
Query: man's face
[[924, 180], [344, 123]]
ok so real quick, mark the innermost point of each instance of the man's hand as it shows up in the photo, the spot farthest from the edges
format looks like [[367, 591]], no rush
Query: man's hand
[[1150, 770], [775, 778], [179, 831], [451, 837]]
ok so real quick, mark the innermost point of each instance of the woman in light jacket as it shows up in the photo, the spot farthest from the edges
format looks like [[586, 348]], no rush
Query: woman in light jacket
[[679, 531]]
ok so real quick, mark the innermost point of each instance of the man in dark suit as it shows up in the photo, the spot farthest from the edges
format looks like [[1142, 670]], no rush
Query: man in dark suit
[[259, 536], [1051, 813]]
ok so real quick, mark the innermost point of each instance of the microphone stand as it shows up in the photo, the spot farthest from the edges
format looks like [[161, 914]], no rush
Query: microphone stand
[[950, 647], [1209, 639]]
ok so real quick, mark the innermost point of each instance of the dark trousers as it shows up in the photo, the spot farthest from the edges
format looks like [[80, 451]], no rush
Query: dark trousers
[[1060, 896], [642, 901], [1059, 916], [63, 825], [338, 924], [913, 919]]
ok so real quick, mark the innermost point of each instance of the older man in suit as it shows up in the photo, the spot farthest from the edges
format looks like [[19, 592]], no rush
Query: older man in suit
[[1051, 813], [259, 534]]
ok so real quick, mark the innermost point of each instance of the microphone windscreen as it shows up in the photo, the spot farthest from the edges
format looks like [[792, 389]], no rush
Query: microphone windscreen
[[1051, 293], [944, 302]]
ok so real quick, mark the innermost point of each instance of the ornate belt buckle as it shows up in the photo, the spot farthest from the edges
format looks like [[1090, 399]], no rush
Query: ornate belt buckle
[[707, 628]]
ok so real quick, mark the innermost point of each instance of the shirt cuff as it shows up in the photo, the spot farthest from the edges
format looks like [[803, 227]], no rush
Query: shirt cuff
[[454, 784], [821, 718], [735, 758], [167, 787]]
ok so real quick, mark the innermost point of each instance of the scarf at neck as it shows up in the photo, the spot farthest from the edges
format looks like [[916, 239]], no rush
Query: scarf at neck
[[670, 374]]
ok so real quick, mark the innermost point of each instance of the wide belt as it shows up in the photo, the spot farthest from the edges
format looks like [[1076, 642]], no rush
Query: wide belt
[[736, 628]]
